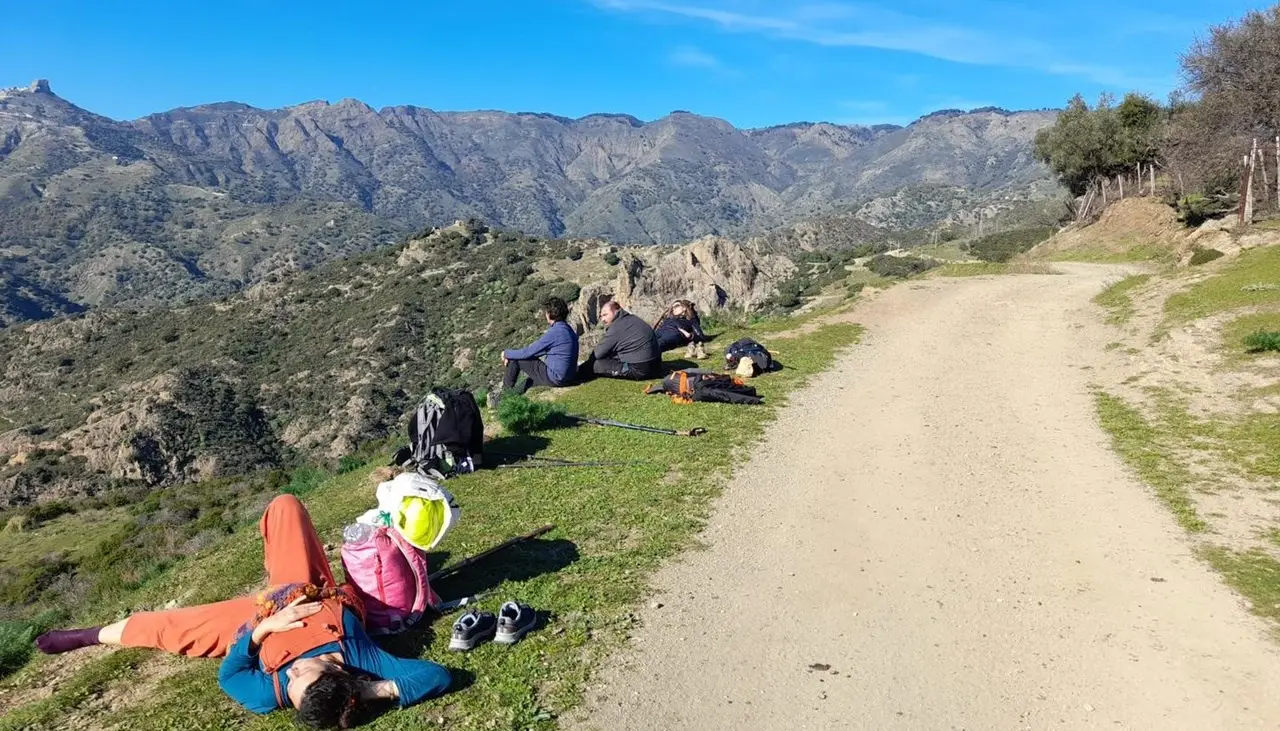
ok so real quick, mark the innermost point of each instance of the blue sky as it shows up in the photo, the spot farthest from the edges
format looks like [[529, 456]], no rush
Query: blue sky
[[752, 62]]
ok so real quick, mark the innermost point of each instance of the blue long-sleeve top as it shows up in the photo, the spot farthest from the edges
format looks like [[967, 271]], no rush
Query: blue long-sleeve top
[[241, 675], [558, 348]]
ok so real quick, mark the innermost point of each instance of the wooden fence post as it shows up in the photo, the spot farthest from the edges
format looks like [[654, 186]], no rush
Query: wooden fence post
[[1266, 182]]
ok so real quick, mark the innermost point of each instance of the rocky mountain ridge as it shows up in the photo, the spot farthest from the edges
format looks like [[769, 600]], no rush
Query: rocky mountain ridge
[[201, 201]]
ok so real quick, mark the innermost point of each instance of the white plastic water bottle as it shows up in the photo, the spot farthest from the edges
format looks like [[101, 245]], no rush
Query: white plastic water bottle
[[357, 533]]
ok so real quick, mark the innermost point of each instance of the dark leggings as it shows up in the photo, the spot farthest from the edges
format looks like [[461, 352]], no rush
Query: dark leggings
[[671, 339], [535, 371], [610, 368]]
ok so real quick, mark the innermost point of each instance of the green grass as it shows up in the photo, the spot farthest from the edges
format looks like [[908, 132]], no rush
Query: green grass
[[1249, 281], [77, 535], [971, 269], [1118, 298], [1147, 449], [1262, 341], [1254, 574], [1130, 249], [615, 527], [1239, 336], [949, 251], [979, 268], [92, 679]]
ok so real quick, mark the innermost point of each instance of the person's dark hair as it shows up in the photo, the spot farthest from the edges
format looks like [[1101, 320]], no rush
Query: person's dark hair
[[332, 701], [556, 309]]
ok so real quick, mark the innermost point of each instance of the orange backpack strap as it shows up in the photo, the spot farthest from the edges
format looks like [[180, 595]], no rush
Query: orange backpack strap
[[684, 391]]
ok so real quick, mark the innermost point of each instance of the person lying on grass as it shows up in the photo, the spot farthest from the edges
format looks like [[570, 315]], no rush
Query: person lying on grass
[[679, 327], [550, 361], [300, 644]]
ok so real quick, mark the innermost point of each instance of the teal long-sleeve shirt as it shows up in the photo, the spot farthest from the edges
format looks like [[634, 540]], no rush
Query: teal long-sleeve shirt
[[241, 675]]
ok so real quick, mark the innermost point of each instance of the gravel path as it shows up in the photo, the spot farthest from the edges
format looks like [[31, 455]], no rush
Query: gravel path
[[936, 535]]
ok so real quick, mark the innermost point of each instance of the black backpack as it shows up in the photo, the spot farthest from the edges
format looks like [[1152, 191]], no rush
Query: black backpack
[[749, 348], [446, 434], [694, 384]]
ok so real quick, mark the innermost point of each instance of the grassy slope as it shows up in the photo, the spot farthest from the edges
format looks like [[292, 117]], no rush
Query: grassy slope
[[614, 527], [1161, 445], [1253, 280], [1118, 300]]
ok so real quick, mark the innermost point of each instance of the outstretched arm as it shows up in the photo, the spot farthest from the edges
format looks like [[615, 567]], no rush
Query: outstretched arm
[[539, 347], [400, 679]]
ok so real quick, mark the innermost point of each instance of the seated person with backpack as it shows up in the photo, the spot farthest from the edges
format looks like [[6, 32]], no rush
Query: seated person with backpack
[[629, 349], [681, 326], [301, 644], [552, 359]]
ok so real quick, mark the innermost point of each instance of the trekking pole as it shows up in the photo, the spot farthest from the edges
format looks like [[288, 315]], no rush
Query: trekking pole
[[549, 465], [697, 431], [556, 462], [485, 554]]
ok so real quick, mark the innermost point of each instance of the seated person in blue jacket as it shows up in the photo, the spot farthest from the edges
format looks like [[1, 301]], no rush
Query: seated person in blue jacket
[[552, 360], [300, 644], [680, 326], [629, 348]]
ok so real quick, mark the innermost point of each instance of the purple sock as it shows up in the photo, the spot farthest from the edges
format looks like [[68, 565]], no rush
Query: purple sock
[[66, 640]]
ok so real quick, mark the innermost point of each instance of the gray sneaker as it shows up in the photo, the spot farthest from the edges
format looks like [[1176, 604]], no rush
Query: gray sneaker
[[471, 629], [514, 621]]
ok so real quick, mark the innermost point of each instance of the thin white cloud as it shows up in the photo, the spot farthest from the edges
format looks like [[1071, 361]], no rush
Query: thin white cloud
[[693, 57], [845, 25]]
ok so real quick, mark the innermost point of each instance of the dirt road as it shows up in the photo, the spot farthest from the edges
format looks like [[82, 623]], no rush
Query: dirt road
[[936, 535]]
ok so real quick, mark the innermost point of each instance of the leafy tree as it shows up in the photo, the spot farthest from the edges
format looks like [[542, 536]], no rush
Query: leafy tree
[[1231, 95], [1086, 144]]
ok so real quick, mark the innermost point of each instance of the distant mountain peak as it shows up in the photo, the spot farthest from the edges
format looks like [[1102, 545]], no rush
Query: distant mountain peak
[[40, 86]]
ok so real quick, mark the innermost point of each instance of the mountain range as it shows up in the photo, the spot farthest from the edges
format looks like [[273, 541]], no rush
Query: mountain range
[[202, 201]]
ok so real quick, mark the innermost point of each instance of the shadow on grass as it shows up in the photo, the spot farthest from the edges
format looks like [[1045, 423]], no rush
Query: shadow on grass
[[515, 448], [523, 561]]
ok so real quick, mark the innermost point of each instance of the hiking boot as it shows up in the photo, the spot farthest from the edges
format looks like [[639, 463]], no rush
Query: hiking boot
[[514, 621], [471, 629], [699, 352], [688, 351]]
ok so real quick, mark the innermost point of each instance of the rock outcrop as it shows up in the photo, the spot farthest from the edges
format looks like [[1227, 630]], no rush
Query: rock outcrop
[[712, 272]]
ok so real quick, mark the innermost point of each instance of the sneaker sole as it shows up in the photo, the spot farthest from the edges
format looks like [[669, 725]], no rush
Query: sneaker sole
[[457, 644], [510, 638]]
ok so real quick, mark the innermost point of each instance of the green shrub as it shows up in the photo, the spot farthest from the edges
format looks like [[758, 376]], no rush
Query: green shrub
[[304, 480], [1003, 246], [574, 254], [900, 266], [1204, 256], [1196, 208], [611, 259], [1262, 341], [45, 512], [519, 415], [17, 639], [350, 463]]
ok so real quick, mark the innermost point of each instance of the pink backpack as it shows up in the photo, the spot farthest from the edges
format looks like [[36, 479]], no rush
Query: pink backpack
[[390, 576]]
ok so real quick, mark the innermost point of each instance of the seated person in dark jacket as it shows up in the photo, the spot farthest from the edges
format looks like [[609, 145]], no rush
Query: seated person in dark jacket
[[681, 326], [629, 349], [550, 361]]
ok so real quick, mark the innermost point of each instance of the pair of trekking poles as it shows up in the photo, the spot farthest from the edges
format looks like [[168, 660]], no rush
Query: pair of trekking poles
[[533, 462]]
